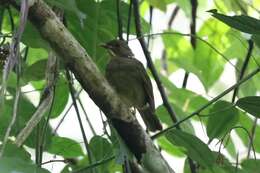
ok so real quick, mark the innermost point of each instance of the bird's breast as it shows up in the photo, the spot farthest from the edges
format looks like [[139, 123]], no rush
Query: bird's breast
[[127, 84]]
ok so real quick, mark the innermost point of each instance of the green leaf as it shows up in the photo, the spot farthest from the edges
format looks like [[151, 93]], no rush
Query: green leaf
[[161, 5], [250, 165], [195, 148], [17, 165], [32, 38], [68, 6], [35, 55], [164, 116], [243, 23], [235, 42], [204, 62], [183, 99], [236, 6], [210, 64], [250, 104], [11, 150], [25, 111], [65, 147], [223, 116], [36, 71], [61, 97], [101, 149], [169, 148], [214, 169], [246, 122]]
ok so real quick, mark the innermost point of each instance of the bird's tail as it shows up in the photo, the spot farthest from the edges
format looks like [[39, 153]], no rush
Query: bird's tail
[[150, 119]]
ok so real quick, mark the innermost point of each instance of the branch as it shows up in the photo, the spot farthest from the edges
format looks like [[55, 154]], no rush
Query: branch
[[45, 102], [74, 101], [174, 14], [129, 20], [243, 69]]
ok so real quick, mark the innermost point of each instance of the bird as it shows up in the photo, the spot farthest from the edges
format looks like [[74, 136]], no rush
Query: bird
[[130, 80]]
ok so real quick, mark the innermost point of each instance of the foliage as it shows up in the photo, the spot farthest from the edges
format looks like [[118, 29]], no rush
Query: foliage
[[221, 41]]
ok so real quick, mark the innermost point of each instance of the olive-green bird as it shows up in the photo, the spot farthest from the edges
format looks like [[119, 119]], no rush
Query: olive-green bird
[[128, 77]]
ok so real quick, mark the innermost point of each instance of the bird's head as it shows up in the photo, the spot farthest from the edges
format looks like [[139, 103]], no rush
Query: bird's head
[[118, 48]]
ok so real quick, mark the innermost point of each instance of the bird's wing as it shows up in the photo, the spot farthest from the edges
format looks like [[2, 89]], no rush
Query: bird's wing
[[147, 84]]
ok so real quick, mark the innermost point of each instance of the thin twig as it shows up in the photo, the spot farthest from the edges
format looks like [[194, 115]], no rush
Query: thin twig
[[51, 161], [252, 74], [194, 6], [86, 116], [129, 20], [150, 24], [251, 138], [83, 170], [72, 93], [244, 67], [173, 16], [119, 20], [15, 111], [51, 77], [66, 113]]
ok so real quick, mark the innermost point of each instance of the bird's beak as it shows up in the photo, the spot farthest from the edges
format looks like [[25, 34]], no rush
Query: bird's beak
[[104, 45]]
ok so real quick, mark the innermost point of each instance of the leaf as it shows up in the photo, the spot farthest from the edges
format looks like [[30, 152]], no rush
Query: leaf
[[36, 54], [68, 6], [11, 150], [183, 99], [195, 148], [204, 62], [223, 116], [101, 149], [250, 165], [161, 5], [165, 118], [36, 71], [61, 97], [243, 23], [246, 122], [17, 165], [32, 38], [169, 148], [250, 104], [25, 111], [65, 147]]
